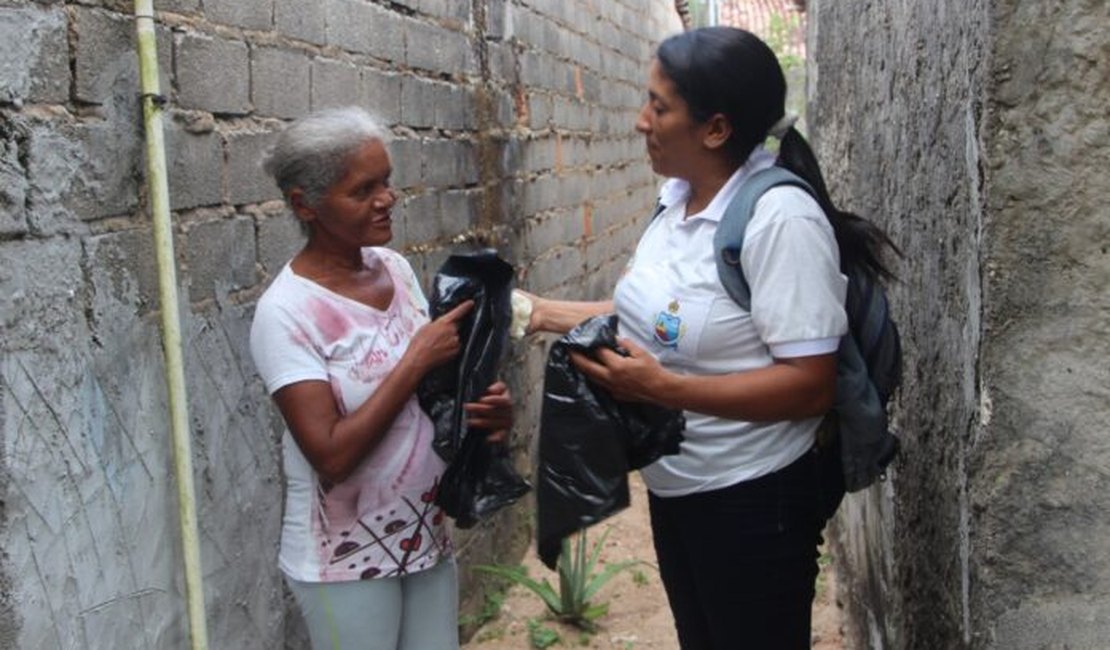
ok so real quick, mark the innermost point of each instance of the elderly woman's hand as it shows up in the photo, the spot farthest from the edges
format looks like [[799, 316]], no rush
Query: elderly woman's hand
[[492, 412], [437, 342]]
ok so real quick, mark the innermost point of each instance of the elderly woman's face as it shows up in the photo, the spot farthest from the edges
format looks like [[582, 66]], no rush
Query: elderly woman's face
[[356, 209]]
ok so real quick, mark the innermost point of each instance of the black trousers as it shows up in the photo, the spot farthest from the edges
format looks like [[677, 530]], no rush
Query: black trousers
[[739, 563]]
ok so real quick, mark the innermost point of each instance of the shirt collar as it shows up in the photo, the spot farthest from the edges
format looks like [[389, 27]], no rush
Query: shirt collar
[[676, 191]]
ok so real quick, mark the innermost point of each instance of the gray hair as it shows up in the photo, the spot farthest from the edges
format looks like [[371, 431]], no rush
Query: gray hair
[[312, 152]]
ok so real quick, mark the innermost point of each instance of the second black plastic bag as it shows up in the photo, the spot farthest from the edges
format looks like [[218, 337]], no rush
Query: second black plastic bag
[[589, 441], [480, 478]]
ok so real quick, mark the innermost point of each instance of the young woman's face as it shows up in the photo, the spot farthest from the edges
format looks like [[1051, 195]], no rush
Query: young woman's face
[[673, 137], [356, 209]]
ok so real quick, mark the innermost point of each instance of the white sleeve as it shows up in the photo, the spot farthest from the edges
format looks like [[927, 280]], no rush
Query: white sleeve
[[283, 351], [792, 264]]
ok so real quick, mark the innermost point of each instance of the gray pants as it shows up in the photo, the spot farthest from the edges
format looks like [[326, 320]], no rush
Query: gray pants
[[418, 611]]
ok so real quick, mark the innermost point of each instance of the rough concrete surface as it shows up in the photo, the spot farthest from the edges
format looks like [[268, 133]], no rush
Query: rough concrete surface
[[976, 134], [91, 552]]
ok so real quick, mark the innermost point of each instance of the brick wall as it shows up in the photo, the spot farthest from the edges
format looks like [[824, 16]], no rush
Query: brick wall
[[514, 128]]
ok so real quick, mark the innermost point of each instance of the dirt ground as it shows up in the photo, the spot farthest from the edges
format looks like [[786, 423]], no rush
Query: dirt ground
[[638, 615]]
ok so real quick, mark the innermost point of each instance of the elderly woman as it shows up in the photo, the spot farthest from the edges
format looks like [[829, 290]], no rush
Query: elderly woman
[[341, 339]]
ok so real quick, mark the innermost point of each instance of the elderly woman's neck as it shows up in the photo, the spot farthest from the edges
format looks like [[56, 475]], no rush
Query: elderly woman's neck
[[323, 258]]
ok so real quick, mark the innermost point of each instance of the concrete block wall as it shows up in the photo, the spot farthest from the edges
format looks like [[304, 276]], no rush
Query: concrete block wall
[[974, 132], [513, 124]]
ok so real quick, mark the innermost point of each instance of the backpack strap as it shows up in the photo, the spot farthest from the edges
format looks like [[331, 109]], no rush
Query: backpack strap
[[729, 238]]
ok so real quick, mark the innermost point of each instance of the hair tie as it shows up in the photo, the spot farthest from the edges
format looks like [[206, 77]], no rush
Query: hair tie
[[785, 123]]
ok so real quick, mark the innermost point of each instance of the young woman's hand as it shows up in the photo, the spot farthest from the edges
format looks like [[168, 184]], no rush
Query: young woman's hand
[[534, 309], [437, 342], [492, 412], [637, 377]]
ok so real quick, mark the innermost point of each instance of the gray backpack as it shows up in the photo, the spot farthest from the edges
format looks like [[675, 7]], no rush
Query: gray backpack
[[869, 365]]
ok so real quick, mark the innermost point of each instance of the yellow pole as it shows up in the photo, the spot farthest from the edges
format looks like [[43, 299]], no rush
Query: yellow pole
[[171, 320]]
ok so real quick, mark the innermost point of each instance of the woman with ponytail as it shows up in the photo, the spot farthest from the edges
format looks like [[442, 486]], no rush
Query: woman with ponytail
[[735, 514]]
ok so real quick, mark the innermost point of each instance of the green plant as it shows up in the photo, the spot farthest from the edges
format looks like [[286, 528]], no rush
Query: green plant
[[781, 32], [824, 560], [491, 609], [639, 578], [541, 636], [578, 583]]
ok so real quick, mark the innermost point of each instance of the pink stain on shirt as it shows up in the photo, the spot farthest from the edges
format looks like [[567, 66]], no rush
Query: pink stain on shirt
[[329, 320]]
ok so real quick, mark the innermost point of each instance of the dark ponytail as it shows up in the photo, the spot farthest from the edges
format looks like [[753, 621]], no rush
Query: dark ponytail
[[861, 242], [732, 72]]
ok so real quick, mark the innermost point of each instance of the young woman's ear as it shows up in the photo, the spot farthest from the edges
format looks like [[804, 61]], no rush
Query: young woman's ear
[[301, 209], [718, 130]]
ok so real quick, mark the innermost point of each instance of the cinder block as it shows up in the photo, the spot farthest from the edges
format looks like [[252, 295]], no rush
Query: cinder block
[[280, 82], [407, 155], [36, 55], [246, 182], [571, 114], [539, 70], [104, 56], [13, 184], [496, 16], [213, 74], [539, 195], [41, 295], [418, 101], [177, 6], [504, 110], [452, 10], [195, 163], [422, 218], [300, 19], [380, 93], [334, 83], [552, 229], [540, 111], [558, 267], [81, 171], [455, 109], [359, 26], [123, 271], [399, 215], [537, 155], [221, 255], [572, 189], [450, 163], [591, 87], [616, 243], [459, 210], [255, 14], [601, 281], [279, 238], [437, 49]]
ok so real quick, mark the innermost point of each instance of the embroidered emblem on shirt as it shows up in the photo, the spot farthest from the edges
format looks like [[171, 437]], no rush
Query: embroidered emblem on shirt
[[669, 327]]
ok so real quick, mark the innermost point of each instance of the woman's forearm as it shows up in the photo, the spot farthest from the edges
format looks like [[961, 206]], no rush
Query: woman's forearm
[[560, 316], [788, 389], [335, 443], [785, 390]]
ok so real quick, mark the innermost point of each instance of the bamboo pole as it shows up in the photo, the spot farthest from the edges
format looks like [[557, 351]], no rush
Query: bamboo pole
[[171, 321]]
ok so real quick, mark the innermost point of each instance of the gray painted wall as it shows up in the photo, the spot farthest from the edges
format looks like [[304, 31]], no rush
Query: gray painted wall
[[514, 123], [976, 133]]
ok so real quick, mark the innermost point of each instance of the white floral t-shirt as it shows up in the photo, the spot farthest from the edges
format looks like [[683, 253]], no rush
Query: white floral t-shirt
[[381, 521]]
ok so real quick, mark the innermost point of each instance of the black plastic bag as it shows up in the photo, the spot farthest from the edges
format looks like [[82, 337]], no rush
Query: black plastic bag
[[589, 441], [480, 478]]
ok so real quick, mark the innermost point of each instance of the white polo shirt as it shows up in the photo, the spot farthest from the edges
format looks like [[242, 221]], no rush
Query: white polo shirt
[[671, 302]]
